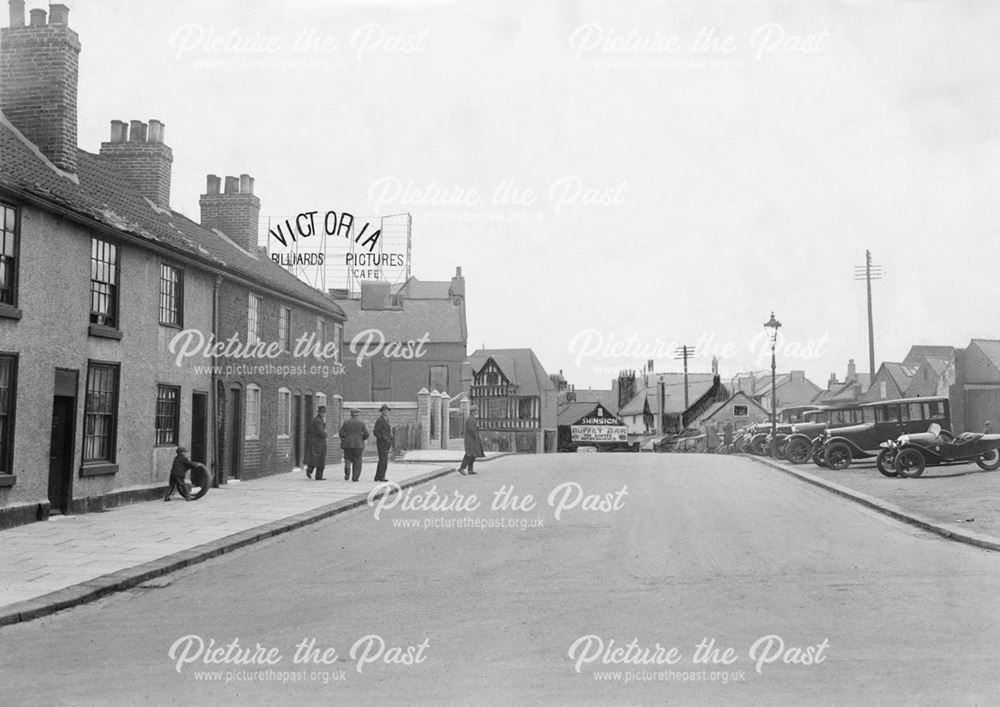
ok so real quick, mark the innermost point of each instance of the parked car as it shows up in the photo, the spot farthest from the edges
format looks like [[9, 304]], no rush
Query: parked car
[[797, 446], [884, 420], [912, 453]]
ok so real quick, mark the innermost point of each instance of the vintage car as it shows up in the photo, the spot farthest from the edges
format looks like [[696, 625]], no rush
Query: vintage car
[[912, 453], [788, 418], [881, 421], [797, 446]]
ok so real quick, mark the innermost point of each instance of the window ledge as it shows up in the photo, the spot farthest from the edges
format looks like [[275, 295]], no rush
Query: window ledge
[[7, 480], [9, 311], [98, 470], [104, 332], [170, 325]]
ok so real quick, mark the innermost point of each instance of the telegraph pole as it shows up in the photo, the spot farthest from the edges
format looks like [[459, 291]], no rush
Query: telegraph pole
[[683, 352], [869, 272]]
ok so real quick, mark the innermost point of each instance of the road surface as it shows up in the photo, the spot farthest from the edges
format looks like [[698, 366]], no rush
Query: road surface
[[651, 556]]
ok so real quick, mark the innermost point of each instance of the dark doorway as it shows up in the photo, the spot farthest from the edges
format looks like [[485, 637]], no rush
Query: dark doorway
[[61, 442], [199, 427], [297, 428], [308, 412], [235, 430]]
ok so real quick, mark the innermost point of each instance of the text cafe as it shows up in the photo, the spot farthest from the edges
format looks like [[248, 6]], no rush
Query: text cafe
[[590, 425]]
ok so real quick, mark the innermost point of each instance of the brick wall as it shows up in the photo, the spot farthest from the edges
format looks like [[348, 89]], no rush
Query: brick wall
[[302, 377], [143, 157], [235, 212]]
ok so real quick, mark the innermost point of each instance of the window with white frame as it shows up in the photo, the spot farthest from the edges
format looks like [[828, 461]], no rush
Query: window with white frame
[[883, 390], [285, 328], [253, 412], [284, 412], [338, 340], [254, 306]]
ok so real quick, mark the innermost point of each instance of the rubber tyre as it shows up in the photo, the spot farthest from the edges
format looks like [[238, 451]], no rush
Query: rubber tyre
[[758, 445], [884, 463], [817, 457], [910, 463], [201, 478], [991, 462], [797, 451], [777, 449], [837, 456]]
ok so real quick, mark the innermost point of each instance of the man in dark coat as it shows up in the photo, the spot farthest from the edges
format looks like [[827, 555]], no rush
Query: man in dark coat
[[353, 434], [316, 444], [383, 441], [473, 445]]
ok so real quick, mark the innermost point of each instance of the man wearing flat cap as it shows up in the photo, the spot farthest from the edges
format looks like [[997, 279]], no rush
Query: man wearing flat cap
[[383, 441], [353, 434], [316, 444]]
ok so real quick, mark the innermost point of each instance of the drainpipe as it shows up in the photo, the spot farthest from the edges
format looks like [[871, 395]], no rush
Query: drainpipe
[[214, 395]]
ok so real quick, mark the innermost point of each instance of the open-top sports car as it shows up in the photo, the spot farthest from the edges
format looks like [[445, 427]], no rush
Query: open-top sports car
[[914, 452]]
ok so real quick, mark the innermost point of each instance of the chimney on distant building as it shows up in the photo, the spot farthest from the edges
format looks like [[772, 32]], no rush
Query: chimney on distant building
[[852, 371], [832, 383], [137, 150], [457, 289], [235, 211], [39, 69], [715, 365]]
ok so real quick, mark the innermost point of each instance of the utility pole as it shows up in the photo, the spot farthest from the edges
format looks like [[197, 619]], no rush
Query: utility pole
[[869, 272], [683, 352]]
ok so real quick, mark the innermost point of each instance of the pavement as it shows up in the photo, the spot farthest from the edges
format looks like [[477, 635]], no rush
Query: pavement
[[960, 502], [69, 560]]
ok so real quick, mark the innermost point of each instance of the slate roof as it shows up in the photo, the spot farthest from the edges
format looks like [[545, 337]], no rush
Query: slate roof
[[418, 289], [608, 398], [673, 390], [926, 378], [571, 412], [744, 398], [990, 348], [901, 374], [100, 193], [521, 367], [921, 350], [441, 319]]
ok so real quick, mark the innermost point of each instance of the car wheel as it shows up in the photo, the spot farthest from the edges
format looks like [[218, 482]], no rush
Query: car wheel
[[797, 451], [837, 456], [910, 462], [884, 462], [817, 457], [758, 445], [989, 461]]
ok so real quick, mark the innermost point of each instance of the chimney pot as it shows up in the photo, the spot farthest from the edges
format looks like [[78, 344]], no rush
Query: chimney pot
[[37, 17], [155, 131], [245, 184], [136, 131], [119, 131], [213, 184], [251, 185], [58, 15], [232, 185], [16, 13]]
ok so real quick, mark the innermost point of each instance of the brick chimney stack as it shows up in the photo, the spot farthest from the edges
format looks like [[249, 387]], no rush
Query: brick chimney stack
[[39, 69], [137, 150], [235, 212]]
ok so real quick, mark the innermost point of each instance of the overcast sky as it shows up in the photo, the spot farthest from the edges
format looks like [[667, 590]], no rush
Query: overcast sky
[[694, 165]]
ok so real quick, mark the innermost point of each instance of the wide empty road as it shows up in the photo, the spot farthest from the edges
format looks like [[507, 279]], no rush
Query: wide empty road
[[605, 605]]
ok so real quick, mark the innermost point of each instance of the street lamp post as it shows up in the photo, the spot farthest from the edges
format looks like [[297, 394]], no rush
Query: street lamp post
[[771, 327], [663, 406]]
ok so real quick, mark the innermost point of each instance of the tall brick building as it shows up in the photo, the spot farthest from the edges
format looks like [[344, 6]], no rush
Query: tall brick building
[[102, 285]]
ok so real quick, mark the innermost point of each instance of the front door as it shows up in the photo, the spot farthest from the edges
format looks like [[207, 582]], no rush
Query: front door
[[61, 453], [235, 433], [297, 429], [199, 427]]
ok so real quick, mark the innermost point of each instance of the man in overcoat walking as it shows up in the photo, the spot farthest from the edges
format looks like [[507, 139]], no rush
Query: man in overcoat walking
[[383, 442], [316, 444], [473, 445], [353, 434]]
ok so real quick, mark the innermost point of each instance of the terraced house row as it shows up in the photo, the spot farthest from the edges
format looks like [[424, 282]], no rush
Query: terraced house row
[[109, 300]]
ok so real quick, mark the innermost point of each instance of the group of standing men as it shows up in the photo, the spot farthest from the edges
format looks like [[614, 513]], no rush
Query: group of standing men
[[353, 433]]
